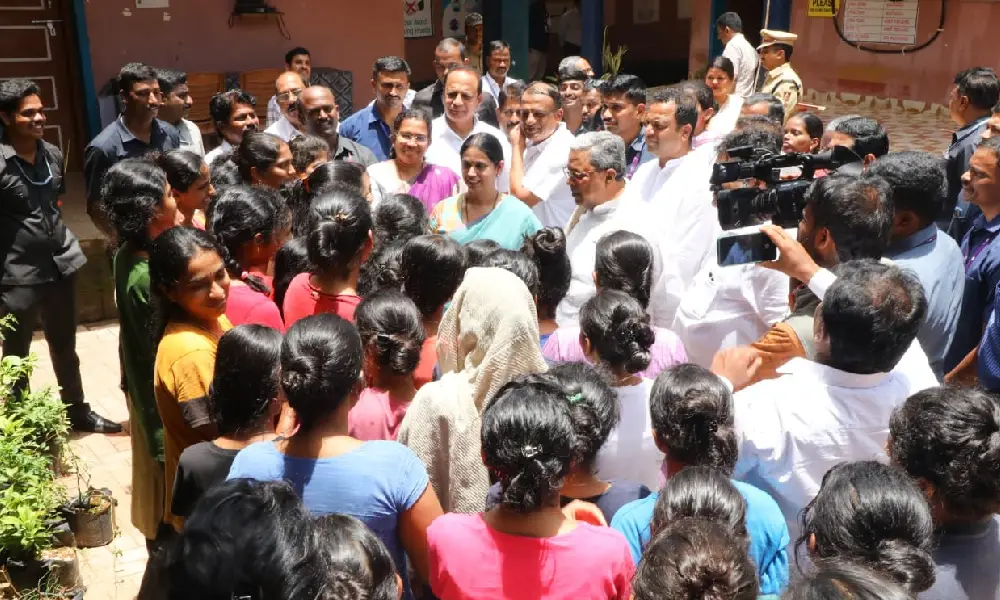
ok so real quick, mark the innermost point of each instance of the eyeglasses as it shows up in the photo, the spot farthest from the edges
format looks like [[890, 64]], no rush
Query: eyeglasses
[[289, 95], [577, 175], [412, 137]]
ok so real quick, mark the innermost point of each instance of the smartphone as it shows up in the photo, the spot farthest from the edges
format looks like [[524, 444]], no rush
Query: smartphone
[[742, 249]]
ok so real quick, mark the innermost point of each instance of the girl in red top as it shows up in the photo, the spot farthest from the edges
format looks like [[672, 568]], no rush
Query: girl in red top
[[247, 223], [337, 245]]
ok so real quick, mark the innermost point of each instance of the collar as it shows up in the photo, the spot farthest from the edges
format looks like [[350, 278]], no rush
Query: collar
[[8, 152], [373, 115], [991, 226], [779, 70], [475, 125], [639, 143], [127, 136], [540, 146], [968, 127], [835, 377], [915, 239]]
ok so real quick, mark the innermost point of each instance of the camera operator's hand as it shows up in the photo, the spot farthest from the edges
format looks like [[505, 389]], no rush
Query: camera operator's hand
[[737, 365], [793, 259]]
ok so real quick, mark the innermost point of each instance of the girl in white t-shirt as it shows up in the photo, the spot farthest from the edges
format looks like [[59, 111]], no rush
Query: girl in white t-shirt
[[615, 332]]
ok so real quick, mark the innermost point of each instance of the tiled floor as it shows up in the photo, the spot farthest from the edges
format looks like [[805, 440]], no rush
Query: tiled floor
[[114, 572]]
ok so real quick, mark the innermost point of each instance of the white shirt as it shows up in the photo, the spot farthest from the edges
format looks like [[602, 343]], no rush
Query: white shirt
[[744, 57], [571, 27], [273, 111], [191, 138], [581, 248], [650, 177], [446, 144], [284, 129], [729, 306], [724, 121], [681, 223], [793, 429], [492, 88], [630, 454], [221, 149], [544, 176]]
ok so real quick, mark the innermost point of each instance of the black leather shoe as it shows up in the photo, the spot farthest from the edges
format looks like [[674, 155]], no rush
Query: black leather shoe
[[91, 422]]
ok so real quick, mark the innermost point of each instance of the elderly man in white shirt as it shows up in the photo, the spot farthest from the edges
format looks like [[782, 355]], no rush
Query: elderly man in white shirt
[[674, 193], [287, 88], [596, 173], [836, 408], [540, 147], [463, 92], [729, 29], [497, 65], [734, 305]]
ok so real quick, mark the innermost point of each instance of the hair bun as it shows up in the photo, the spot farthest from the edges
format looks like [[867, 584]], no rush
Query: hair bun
[[908, 565], [549, 243]]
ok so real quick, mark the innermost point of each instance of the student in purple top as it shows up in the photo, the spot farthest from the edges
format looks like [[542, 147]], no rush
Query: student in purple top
[[625, 263], [594, 409]]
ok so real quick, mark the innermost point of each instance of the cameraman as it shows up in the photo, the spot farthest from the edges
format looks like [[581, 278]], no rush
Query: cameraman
[[733, 305], [863, 136], [919, 193], [845, 218]]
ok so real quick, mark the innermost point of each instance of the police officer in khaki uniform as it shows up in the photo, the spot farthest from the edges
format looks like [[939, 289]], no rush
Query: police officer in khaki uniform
[[775, 51]]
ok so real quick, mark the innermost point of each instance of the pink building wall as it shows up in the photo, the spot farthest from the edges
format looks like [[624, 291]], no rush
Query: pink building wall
[[343, 34], [827, 64]]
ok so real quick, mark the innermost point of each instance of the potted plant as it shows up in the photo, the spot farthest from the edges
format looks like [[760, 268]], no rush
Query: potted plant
[[43, 415], [91, 517], [611, 59]]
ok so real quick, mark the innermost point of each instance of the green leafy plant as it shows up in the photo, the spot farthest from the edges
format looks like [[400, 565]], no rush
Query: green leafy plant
[[611, 59]]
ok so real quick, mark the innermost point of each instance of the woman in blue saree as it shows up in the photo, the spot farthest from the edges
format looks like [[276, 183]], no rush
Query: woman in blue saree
[[483, 212]]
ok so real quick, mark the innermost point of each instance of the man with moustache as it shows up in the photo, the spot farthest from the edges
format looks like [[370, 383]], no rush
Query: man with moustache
[[463, 93], [509, 111], [233, 114], [297, 60], [539, 152], [497, 65], [287, 88], [623, 110], [177, 103], [372, 125], [41, 256], [133, 134], [450, 53], [317, 107]]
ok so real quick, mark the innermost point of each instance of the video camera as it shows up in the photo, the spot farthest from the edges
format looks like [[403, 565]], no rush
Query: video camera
[[783, 199]]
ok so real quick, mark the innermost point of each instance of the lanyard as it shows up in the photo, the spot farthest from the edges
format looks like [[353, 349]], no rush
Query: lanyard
[[46, 181], [971, 258], [635, 160]]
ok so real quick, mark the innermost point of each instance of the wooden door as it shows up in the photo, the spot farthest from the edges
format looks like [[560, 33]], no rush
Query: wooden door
[[37, 43]]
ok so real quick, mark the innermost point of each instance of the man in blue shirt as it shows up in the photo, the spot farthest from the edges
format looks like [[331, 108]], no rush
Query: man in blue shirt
[[918, 195], [372, 125], [972, 97], [981, 255]]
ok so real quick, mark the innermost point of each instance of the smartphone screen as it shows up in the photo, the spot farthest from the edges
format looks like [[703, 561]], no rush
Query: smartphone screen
[[745, 249]]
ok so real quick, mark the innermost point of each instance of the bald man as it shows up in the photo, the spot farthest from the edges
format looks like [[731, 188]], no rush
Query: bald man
[[287, 88]]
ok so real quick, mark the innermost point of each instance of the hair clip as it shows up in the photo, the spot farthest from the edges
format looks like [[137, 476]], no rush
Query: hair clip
[[244, 275], [530, 451], [574, 398]]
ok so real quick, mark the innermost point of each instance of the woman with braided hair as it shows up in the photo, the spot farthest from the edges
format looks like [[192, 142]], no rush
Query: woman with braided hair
[[247, 223]]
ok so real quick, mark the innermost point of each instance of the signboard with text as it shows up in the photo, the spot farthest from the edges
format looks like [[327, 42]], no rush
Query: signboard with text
[[882, 21], [417, 19], [823, 8]]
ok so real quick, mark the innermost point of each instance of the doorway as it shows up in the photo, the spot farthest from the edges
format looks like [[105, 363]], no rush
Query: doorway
[[37, 43]]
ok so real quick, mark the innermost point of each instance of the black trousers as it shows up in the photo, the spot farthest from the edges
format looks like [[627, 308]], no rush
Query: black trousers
[[55, 304]]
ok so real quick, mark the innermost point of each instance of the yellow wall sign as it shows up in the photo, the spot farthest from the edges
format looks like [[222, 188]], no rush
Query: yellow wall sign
[[823, 8]]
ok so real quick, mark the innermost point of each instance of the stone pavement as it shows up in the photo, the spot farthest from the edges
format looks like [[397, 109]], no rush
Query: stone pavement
[[112, 572]]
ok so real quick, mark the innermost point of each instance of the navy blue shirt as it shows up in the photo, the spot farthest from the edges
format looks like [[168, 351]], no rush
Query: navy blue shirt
[[367, 128], [981, 253], [959, 215]]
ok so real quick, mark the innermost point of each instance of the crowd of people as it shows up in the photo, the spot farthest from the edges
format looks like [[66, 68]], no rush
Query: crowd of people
[[476, 342]]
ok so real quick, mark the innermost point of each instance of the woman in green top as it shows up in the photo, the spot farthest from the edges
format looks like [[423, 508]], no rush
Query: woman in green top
[[141, 206], [483, 212]]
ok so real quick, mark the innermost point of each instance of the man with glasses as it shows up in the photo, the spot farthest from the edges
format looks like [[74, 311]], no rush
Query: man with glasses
[[463, 93], [317, 107], [539, 154], [297, 60], [232, 114], [372, 125], [287, 88], [42, 256], [624, 104], [448, 54], [135, 133], [595, 173]]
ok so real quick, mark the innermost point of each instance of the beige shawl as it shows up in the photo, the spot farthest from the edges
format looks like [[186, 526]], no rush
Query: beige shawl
[[488, 336]]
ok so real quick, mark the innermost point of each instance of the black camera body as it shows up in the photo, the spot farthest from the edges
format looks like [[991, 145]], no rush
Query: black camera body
[[782, 200]]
